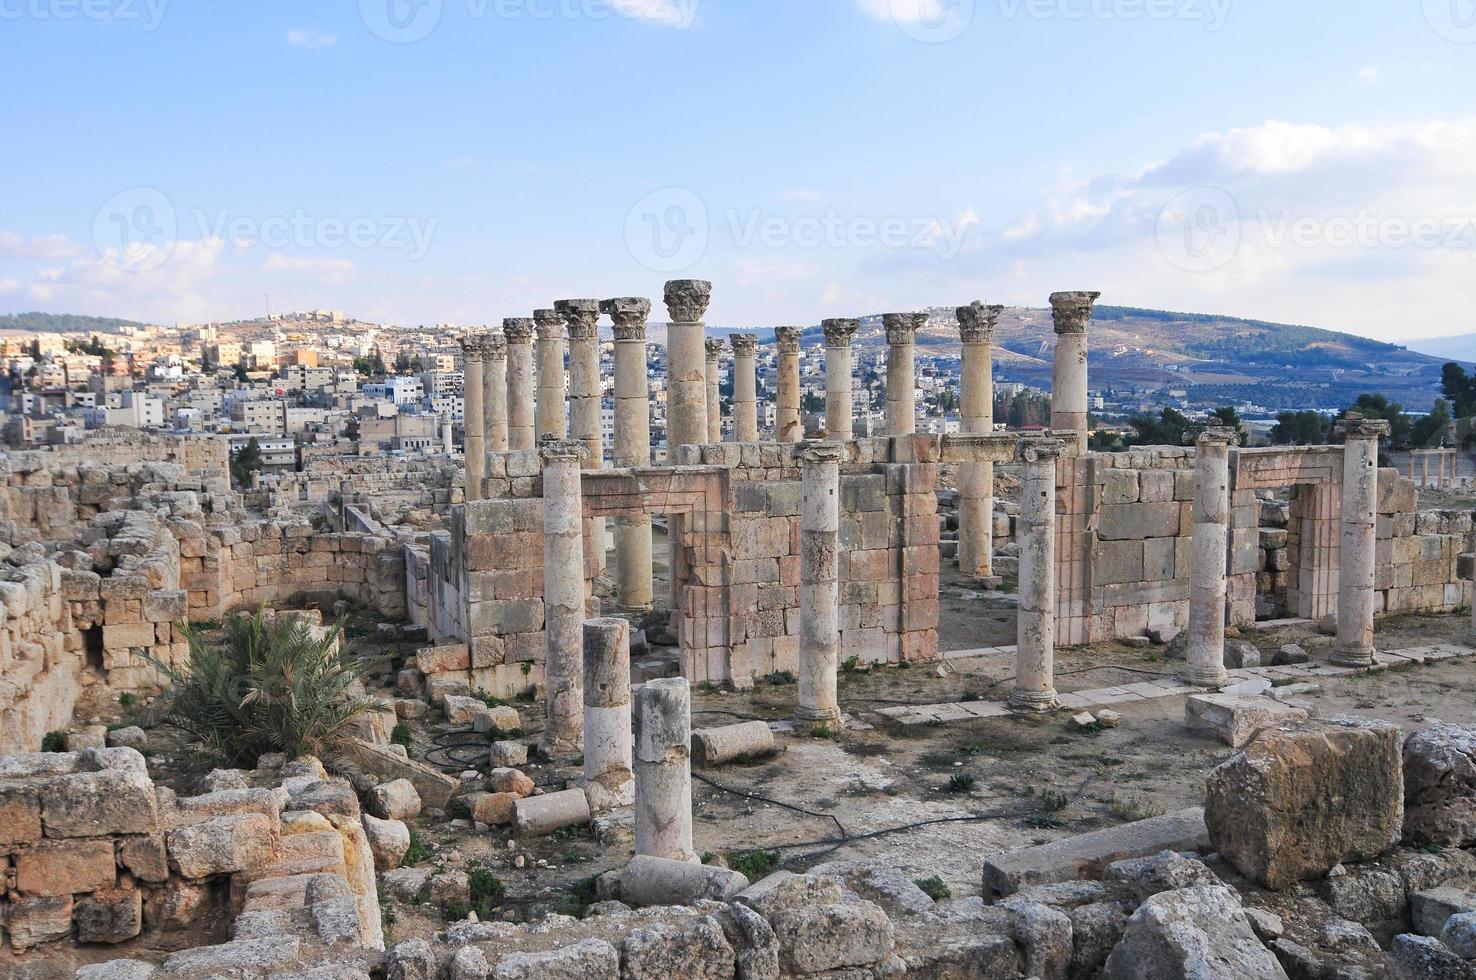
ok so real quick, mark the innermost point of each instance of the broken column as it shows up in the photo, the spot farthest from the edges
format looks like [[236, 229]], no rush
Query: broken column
[[819, 659], [976, 324], [839, 425], [563, 596], [632, 447], [745, 387], [471, 415], [902, 331], [608, 779], [1072, 312], [663, 770], [1354, 646], [520, 391], [550, 418], [1035, 631], [686, 395], [448, 437], [494, 392], [788, 426], [1205, 656], [581, 318], [714, 348]]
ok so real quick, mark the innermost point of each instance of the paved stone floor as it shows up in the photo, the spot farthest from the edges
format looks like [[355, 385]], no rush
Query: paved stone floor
[[1103, 697]]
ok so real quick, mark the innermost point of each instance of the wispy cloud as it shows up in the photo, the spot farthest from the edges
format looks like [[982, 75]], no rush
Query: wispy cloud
[[1371, 75], [678, 14], [905, 11], [42, 247], [334, 271], [305, 37]]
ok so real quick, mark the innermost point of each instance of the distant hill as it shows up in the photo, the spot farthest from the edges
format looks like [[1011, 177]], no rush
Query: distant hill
[[1461, 347], [63, 323]]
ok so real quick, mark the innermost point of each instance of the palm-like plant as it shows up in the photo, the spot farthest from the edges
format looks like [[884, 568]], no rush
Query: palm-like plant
[[269, 686]]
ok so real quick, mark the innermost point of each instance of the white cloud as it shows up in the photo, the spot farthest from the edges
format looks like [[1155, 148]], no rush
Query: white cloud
[[334, 271], [43, 247], [1371, 75], [678, 14], [906, 11], [304, 37], [9, 285]]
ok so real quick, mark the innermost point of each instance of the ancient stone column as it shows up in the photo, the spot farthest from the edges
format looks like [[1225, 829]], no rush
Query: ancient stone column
[[839, 414], [472, 413], [714, 348], [819, 658], [563, 596], [1354, 646], [608, 779], [494, 392], [686, 362], [550, 418], [976, 324], [581, 318], [686, 395], [1205, 659], [1072, 312], [788, 426], [520, 391], [663, 769], [1035, 632], [902, 331], [632, 447], [745, 387], [448, 437]]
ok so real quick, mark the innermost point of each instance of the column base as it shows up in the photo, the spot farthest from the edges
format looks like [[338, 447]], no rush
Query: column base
[[1205, 676], [1352, 658], [813, 717], [1035, 701]]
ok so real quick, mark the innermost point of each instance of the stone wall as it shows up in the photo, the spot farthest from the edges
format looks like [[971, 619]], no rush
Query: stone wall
[[387, 487], [100, 864]]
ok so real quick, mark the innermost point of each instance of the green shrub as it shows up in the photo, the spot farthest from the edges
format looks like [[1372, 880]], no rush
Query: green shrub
[[416, 852], [54, 742], [266, 686], [961, 782], [401, 735], [581, 896], [934, 888], [753, 865]]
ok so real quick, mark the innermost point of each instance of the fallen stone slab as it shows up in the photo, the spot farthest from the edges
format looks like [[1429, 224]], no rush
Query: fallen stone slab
[[1236, 718], [650, 880], [1088, 855], [729, 743], [539, 816], [435, 787]]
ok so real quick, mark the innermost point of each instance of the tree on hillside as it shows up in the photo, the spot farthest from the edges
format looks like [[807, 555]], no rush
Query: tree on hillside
[[1429, 432], [1299, 429], [1459, 388], [1166, 430], [1227, 416], [246, 462], [1374, 406]]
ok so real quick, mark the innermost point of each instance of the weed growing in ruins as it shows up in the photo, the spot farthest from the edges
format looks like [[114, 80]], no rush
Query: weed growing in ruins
[[581, 896], [386, 918], [1043, 821], [267, 686], [708, 857], [707, 687], [753, 865], [487, 891], [401, 735], [1129, 808], [416, 852], [781, 677], [126, 701], [455, 912], [934, 887], [961, 782], [54, 742], [1054, 800], [852, 665], [822, 731]]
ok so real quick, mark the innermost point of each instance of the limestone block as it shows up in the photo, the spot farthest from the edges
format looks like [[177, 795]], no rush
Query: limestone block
[[65, 867], [1236, 718], [1429, 910], [443, 659], [38, 919], [1304, 797], [388, 841], [164, 606], [589, 959], [20, 813], [1200, 932], [1439, 785], [222, 845], [816, 938], [395, 800], [111, 917], [493, 809], [696, 949], [90, 804]]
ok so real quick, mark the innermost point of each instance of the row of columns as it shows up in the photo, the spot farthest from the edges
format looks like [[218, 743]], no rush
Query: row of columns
[[1445, 467]]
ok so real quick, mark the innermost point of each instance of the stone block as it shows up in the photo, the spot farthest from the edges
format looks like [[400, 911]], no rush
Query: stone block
[[817, 938], [395, 800], [92, 804], [65, 868], [164, 606], [696, 949], [442, 659], [112, 917], [1235, 718], [1439, 786], [589, 959], [20, 813], [1304, 797], [222, 845], [38, 919], [1192, 932]]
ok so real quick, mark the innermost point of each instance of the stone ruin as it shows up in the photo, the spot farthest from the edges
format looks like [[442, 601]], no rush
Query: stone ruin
[[791, 556]]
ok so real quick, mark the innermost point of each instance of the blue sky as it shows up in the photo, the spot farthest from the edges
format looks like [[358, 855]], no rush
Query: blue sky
[[178, 161]]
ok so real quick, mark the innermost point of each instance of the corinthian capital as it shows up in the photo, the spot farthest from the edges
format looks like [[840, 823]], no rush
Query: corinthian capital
[[744, 344], [471, 348], [495, 346], [976, 322], [1355, 426], [518, 330], [581, 316], [1072, 311], [838, 332], [714, 348], [687, 299], [902, 328], [550, 325], [788, 339], [630, 314]]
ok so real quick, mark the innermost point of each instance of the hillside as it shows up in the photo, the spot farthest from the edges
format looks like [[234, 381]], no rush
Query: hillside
[[63, 323]]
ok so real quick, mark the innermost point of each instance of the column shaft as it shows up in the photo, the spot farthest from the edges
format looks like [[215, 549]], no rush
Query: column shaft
[[663, 770], [745, 388], [608, 779], [632, 447], [686, 394], [1354, 646], [839, 411], [520, 385], [472, 416], [788, 426], [550, 417], [1035, 686], [819, 584], [563, 597], [902, 372], [494, 393], [976, 480], [1205, 665], [1072, 312], [714, 404]]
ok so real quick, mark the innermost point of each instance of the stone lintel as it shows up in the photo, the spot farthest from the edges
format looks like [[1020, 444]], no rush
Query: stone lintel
[[978, 447]]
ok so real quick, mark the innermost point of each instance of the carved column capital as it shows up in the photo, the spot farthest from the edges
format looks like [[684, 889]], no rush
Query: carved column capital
[[471, 348], [1355, 426], [976, 322], [549, 324], [629, 314], [1072, 311], [744, 344], [556, 450], [839, 331], [902, 328], [817, 451], [580, 316], [687, 299], [714, 348], [518, 330], [494, 346], [1040, 450], [788, 339], [1213, 435]]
